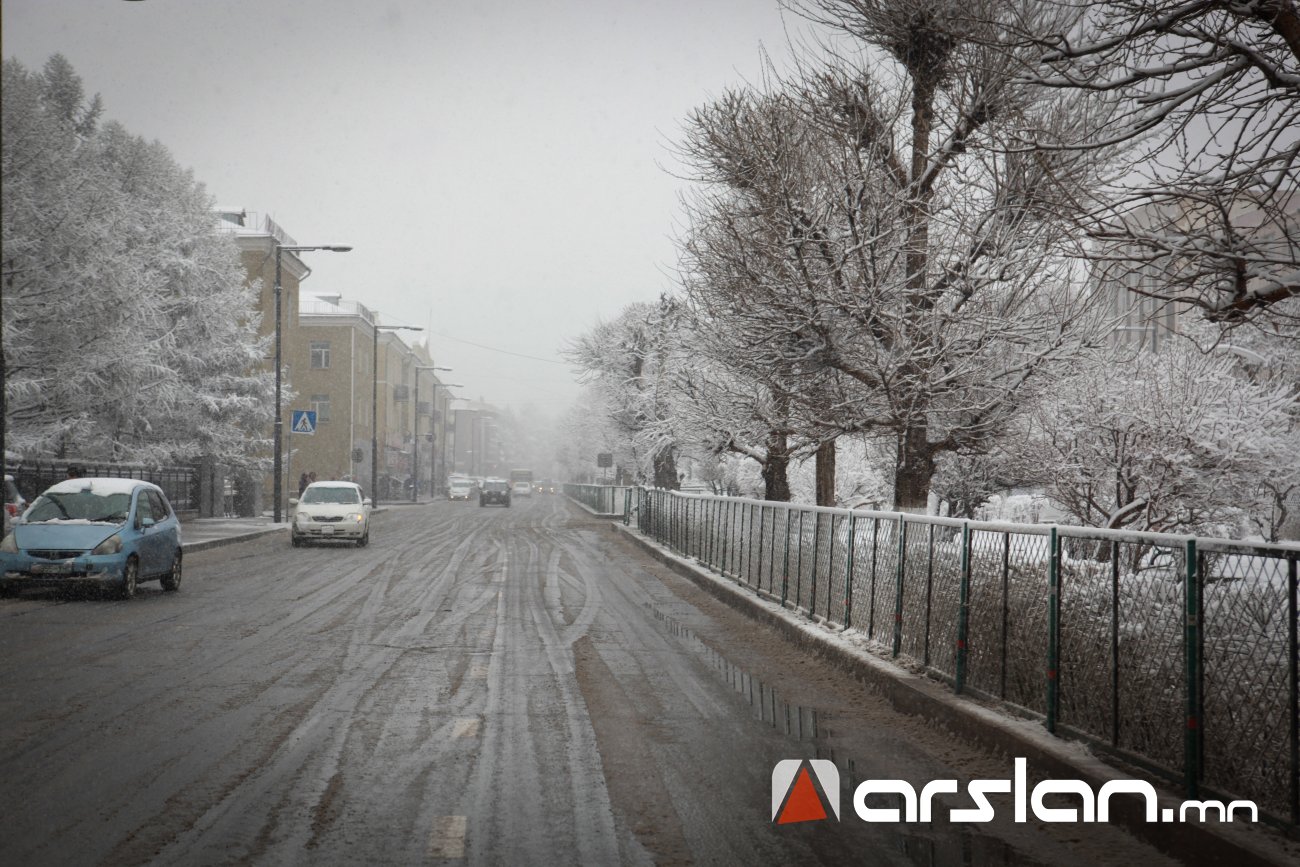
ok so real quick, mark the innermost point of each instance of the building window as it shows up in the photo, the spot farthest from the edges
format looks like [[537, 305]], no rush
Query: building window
[[320, 354], [321, 403]]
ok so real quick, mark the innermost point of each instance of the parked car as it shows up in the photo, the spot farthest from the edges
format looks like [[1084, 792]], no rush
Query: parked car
[[521, 489], [111, 533], [459, 488], [331, 512], [494, 492], [14, 503]]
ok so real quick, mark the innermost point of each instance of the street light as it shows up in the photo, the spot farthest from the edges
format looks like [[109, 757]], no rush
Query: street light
[[374, 407], [278, 488], [415, 486]]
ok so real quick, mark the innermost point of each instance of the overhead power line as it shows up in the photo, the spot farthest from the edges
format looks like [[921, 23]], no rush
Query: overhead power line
[[502, 351]]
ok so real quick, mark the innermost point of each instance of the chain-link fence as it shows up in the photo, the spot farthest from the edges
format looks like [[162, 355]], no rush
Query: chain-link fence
[[1178, 653]]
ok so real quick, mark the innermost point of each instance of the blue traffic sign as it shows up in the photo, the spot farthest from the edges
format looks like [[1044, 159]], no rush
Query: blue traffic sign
[[304, 421]]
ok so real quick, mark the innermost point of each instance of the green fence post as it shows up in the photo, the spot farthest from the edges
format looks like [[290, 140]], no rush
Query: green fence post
[[742, 554], [1293, 663], [875, 556], [758, 584], [848, 571], [817, 540], [898, 585], [726, 538], [963, 608], [785, 558], [1053, 627], [798, 574], [1192, 740], [929, 598]]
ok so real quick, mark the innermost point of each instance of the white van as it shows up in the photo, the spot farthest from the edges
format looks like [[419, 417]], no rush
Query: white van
[[459, 488]]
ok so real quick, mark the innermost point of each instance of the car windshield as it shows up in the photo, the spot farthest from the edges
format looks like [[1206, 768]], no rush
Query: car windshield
[[331, 495], [80, 506], [495, 486]]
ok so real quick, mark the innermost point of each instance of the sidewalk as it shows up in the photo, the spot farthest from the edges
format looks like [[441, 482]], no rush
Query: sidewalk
[[203, 533]]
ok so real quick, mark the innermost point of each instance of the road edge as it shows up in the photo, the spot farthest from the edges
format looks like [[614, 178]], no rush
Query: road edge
[[207, 544], [920, 696]]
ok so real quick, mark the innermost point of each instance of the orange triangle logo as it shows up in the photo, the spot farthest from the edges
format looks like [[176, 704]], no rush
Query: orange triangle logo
[[803, 803]]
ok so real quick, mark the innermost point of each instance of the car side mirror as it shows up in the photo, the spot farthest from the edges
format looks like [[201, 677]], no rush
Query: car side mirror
[[367, 502], [146, 523], [293, 501]]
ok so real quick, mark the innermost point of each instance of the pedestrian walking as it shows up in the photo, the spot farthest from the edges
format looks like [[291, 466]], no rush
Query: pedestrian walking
[[303, 481]]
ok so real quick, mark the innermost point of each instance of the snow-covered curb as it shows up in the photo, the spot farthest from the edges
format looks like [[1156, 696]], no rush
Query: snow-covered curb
[[917, 695]]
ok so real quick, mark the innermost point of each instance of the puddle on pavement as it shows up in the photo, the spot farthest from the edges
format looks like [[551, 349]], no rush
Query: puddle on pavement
[[938, 843]]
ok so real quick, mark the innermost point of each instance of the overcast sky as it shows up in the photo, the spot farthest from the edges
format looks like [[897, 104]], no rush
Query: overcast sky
[[501, 167]]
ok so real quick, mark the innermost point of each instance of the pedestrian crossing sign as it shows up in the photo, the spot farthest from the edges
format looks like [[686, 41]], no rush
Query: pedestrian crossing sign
[[304, 421]]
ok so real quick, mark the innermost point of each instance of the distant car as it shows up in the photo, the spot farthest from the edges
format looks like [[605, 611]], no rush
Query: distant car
[[494, 492], [545, 486], [331, 512], [110, 533], [14, 503], [521, 489], [460, 489]]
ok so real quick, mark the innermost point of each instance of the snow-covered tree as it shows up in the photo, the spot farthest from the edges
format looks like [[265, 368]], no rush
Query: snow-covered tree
[[630, 362], [1208, 94], [1171, 441], [878, 232], [128, 331]]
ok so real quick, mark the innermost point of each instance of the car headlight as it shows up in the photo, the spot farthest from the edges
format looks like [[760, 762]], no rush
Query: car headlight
[[111, 545], [9, 545], [302, 518], [357, 517]]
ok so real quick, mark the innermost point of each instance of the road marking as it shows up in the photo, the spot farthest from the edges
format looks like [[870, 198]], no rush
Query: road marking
[[466, 727], [447, 839]]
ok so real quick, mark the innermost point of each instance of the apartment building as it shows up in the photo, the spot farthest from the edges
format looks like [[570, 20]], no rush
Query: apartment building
[[257, 237], [366, 411]]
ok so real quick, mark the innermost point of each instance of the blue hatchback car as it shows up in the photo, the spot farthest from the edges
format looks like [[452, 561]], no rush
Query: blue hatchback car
[[113, 533]]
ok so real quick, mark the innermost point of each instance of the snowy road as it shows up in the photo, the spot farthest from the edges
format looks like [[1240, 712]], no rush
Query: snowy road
[[499, 686]]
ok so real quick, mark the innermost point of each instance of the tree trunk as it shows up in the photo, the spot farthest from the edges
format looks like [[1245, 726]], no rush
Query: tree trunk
[[776, 477], [665, 466], [913, 471], [825, 473]]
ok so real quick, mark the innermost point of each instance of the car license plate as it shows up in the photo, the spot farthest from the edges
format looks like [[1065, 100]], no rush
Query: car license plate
[[51, 568], [327, 531]]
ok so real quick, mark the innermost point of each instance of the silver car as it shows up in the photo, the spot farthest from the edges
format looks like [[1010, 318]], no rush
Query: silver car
[[331, 512]]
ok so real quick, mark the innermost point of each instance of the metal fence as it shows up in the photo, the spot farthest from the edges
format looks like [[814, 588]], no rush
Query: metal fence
[[1177, 653], [180, 484], [605, 499]]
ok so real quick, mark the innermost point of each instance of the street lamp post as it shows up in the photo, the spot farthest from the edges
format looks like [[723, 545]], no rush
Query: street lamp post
[[278, 486], [415, 448], [374, 407]]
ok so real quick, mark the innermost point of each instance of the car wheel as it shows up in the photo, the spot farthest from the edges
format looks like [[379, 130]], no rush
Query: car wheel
[[365, 539], [171, 580], [295, 540], [8, 590], [130, 577]]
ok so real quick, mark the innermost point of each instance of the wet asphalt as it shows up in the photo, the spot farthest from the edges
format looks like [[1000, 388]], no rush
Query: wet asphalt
[[489, 686]]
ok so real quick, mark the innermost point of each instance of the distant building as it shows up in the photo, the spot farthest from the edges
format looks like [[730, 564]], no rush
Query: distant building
[[337, 378]]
